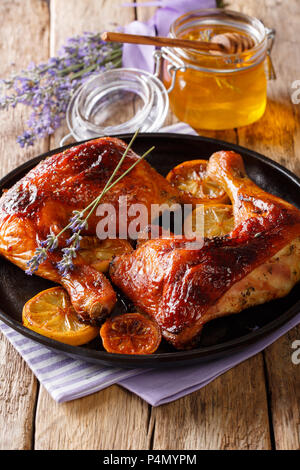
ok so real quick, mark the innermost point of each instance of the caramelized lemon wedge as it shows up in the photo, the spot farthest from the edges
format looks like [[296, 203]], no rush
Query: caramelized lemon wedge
[[99, 253], [50, 313], [195, 187], [217, 219]]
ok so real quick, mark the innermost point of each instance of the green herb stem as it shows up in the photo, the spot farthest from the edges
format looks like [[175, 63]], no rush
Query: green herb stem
[[97, 200]]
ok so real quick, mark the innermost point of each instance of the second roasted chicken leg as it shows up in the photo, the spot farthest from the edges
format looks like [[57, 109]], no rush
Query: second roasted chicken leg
[[259, 261]]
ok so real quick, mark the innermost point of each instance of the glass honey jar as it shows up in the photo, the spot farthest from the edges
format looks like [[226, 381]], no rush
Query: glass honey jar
[[211, 90]]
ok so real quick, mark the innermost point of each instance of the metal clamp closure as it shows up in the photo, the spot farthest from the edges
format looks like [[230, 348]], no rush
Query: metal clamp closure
[[173, 67], [270, 33]]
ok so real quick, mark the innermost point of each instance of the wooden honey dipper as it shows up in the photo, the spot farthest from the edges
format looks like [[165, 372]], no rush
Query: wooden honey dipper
[[233, 42], [227, 43]]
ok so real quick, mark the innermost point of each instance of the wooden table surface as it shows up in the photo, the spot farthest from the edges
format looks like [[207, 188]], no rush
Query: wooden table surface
[[256, 405]]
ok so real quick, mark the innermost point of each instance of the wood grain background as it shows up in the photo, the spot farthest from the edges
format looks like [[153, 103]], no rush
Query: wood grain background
[[254, 406]]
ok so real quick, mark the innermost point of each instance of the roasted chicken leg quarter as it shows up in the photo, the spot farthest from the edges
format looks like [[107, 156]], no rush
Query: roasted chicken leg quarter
[[184, 288], [44, 201]]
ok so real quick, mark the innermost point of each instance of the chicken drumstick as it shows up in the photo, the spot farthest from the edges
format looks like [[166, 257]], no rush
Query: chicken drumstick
[[44, 201], [259, 261]]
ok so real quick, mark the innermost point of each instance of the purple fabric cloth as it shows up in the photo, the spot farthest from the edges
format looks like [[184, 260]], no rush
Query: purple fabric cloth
[[67, 379], [141, 57]]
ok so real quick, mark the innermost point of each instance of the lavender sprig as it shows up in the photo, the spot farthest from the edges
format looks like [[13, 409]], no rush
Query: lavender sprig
[[51, 242], [48, 87], [39, 257], [41, 253], [70, 252], [66, 263], [75, 240], [77, 224]]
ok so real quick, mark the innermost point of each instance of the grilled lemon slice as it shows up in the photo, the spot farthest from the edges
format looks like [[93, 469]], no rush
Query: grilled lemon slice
[[195, 187], [50, 313], [218, 220], [99, 253], [130, 333]]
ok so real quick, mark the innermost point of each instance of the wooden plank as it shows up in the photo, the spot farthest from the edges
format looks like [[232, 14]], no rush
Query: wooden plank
[[112, 418], [277, 135], [284, 391], [18, 392], [229, 413], [24, 36], [108, 420], [145, 12]]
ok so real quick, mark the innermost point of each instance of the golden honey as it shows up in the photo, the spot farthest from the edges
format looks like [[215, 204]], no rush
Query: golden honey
[[216, 91]]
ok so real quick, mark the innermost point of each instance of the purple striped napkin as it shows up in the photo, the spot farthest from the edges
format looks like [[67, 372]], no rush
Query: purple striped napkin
[[67, 379], [64, 378]]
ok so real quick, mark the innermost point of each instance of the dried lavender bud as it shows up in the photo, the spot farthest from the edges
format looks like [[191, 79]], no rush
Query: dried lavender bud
[[39, 257]]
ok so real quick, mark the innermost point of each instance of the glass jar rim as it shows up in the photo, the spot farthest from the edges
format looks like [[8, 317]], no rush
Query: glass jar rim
[[105, 89], [260, 46]]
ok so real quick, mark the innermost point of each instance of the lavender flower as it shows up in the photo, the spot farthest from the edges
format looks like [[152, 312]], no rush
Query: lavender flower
[[66, 263], [75, 240], [51, 242], [48, 87], [39, 257], [77, 223], [41, 252]]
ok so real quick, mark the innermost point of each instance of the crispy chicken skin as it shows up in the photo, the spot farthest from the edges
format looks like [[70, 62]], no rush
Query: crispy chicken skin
[[45, 198], [257, 262]]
